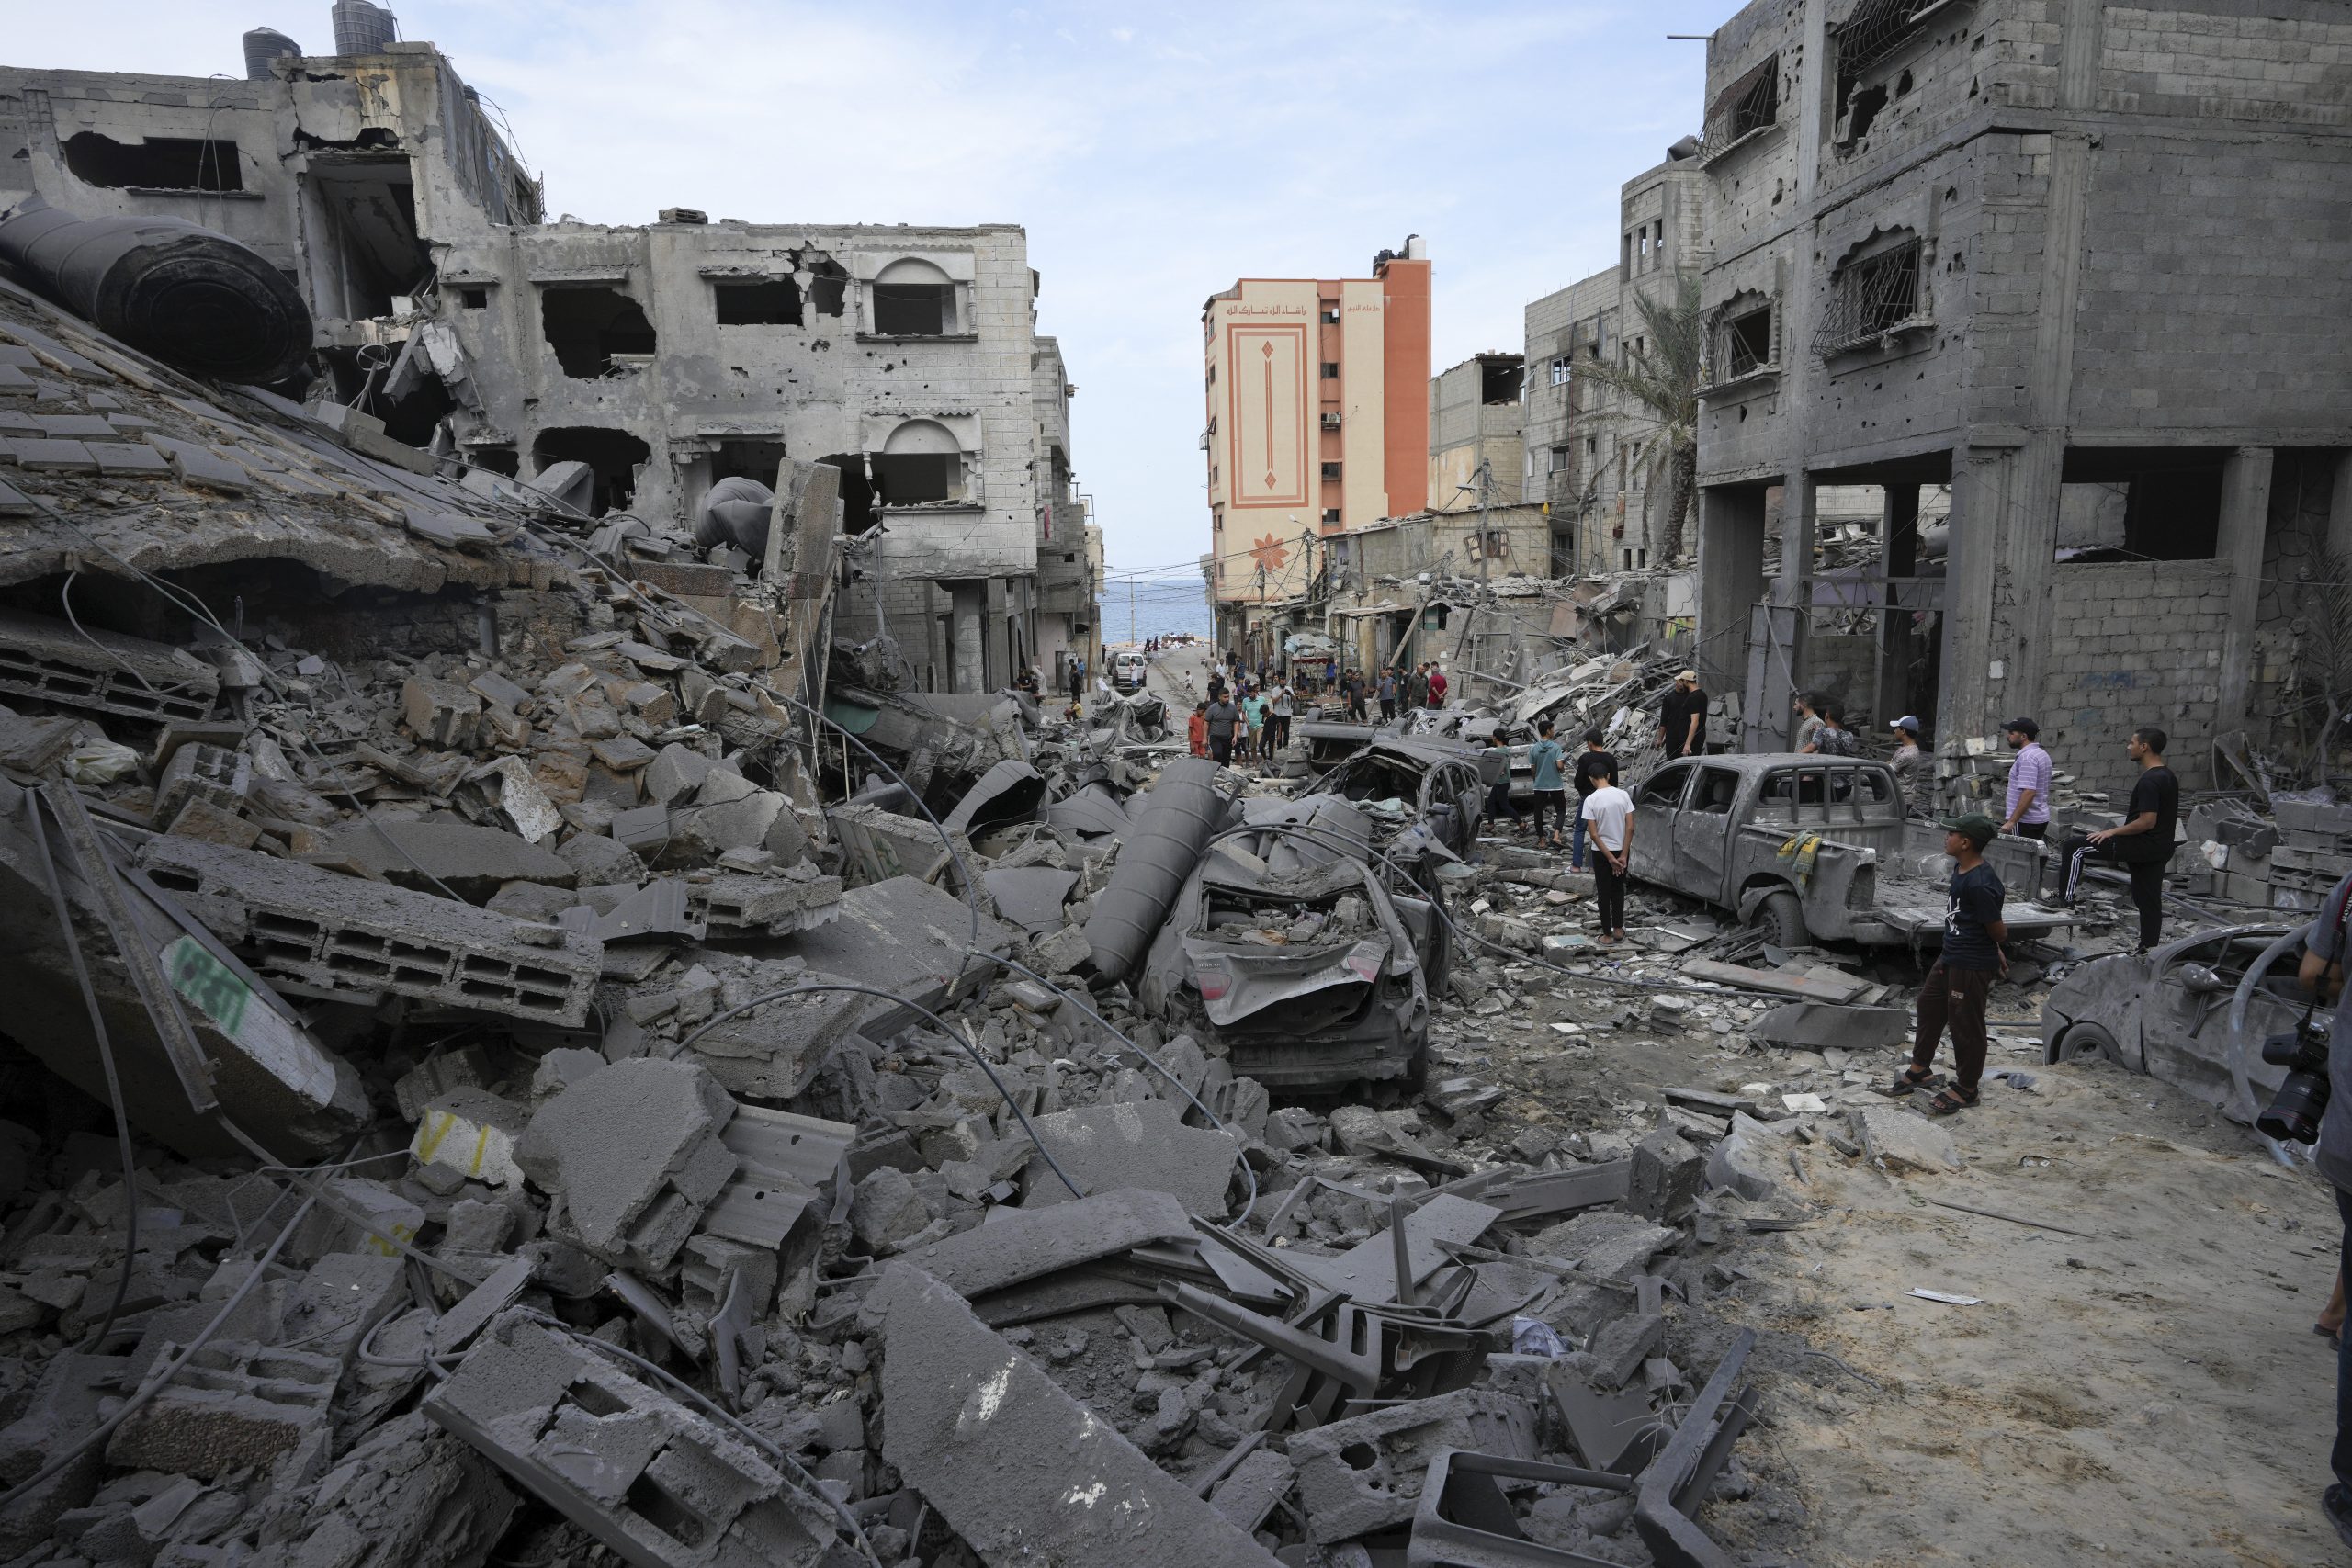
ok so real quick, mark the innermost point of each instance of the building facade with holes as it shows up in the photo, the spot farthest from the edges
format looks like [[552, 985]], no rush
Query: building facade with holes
[[1586, 446], [2082, 262], [1316, 419]]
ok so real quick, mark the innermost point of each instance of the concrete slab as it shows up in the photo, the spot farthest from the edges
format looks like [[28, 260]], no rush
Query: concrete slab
[[473, 862], [1902, 1139], [1814, 1025], [1024, 1472], [904, 937], [635, 1152], [1365, 1473], [1028, 1243], [1133, 1144]]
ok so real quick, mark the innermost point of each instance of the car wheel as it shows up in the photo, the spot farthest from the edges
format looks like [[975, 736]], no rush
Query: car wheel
[[1780, 917], [2082, 1042]]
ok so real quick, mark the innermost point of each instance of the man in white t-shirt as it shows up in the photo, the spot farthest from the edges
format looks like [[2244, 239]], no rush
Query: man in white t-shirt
[[1608, 814]]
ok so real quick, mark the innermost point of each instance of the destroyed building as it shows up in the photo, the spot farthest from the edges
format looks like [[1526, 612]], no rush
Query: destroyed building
[[2068, 260], [1476, 411], [635, 368]]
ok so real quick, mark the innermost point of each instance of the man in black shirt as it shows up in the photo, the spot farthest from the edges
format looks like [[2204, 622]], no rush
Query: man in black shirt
[[1592, 766], [2141, 843], [1223, 716], [1953, 996], [1682, 717]]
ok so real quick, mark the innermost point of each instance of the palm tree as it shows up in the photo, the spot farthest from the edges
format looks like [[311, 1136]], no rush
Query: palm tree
[[1662, 382]]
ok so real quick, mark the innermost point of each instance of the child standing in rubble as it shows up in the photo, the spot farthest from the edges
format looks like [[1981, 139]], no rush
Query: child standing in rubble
[[1953, 996], [1608, 817], [1196, 730]]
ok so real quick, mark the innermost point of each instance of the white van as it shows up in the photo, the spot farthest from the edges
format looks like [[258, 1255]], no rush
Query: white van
[[1127, 672]]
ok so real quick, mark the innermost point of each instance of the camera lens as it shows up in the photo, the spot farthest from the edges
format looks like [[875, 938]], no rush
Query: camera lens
[[2294, 1116]]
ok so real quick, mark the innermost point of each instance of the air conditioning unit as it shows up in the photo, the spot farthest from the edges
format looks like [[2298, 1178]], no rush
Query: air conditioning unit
[[1331, 421]]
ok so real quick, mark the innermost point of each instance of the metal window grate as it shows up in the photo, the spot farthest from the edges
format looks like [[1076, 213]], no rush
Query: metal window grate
[[1875, 30], [1747, 106], [1743, 344], [1870, 298]]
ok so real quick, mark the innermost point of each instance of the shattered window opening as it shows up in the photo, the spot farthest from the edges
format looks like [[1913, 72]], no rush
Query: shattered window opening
[[1751, 103], [2140, 505], [1743, 343], [1871, 294], [159, 162], [756, 302], [613, 455], [588, 324]]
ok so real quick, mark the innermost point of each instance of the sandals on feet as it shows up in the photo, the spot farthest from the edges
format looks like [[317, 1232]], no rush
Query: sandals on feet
[[1910, 1079], [1951, 1102]]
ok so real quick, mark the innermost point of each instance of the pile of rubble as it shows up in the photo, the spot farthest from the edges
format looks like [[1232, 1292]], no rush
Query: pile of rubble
[[519, 1050]]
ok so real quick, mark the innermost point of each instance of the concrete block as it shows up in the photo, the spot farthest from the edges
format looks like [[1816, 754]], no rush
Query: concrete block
[[660, 1485], [1751, 1160], [512, 790], [207, 823], [1902, 1139], [1668, 1177], [775, 906], [440, 713], [636, 1154], [341, 935], [232, 1407], [1023, 1472], [1815, 1025], [471, 861], [1365, 1473], [406, 1495], [676, 770], [102, 672], [221, 777]]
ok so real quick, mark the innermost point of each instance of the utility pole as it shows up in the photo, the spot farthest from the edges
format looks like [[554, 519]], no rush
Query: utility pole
[[1131, 607], [1486, 505]]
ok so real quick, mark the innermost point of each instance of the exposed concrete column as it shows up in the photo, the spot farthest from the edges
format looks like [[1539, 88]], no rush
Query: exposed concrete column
[[1898, 556], [967, 619], [1777, 661], [2246, 521], [1731, 579]]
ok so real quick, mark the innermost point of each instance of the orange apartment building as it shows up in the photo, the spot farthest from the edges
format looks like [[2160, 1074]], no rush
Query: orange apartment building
[[1316, 392]]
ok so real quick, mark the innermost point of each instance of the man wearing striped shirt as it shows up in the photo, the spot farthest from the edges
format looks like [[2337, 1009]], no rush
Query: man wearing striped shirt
[[2028, 811]]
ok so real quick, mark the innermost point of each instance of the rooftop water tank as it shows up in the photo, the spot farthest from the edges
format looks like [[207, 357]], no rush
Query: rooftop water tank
[[263, 45], [361, 27]]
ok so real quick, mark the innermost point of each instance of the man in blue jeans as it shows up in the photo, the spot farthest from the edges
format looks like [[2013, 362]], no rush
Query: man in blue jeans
[[2323, 975]]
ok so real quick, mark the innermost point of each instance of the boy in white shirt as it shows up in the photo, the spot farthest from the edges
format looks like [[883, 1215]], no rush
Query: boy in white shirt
[[1608, 814]]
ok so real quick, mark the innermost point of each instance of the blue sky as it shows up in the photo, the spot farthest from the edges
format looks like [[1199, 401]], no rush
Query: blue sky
[[1153, 154]]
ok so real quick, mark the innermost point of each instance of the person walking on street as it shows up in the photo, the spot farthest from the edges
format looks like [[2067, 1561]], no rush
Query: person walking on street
[[1077, 679], [1499, 803], [1387, 694], [1220, 717], [1278, 716], [1609, 813], [1591, 764], [1253, 714], [1355, 696], [1808, 711], [1437, 687], [1953, 996], [2141, 843], [1551, 793], [1682, 717], [2027, 810], [1910, 763], [1197, 729], [1417, 687]]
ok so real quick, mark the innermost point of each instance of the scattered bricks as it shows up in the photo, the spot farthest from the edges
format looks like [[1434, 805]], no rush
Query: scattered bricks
[[1668, 1177], [634, 1153], [231, 1407], [738, 905], [644, 831], [472, 1132], [1365, 1473], [499, 692], [344, 935], [198, 467], [407, 1495], [117, 460], [621, 753], [676, 770], [202, 773], [441, 713], [228, 736], [101, 671], [43, 455], [655, 1481], [1023, 1472], [692, 578]]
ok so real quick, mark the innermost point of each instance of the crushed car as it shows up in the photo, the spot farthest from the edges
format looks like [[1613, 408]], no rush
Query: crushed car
[[2166, 1013], [1807, 847], [1419, 793]]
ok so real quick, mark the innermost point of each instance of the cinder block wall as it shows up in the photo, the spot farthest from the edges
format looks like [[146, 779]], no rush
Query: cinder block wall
[[2136, 642]]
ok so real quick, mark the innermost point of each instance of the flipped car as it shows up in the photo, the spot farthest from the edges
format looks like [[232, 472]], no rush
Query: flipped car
[[2166, 1013]]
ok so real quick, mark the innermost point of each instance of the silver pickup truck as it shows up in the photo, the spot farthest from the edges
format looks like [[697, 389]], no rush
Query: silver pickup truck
[[1811, 847]]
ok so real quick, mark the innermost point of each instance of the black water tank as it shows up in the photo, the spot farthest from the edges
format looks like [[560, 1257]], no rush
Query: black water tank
[[263, 45], [192, 298]]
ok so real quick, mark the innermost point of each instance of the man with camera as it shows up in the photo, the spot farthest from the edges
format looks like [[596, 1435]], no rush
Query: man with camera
[[2329, 1092]]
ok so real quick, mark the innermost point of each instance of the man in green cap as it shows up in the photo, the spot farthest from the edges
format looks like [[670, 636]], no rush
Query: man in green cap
[[1953, 996]]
